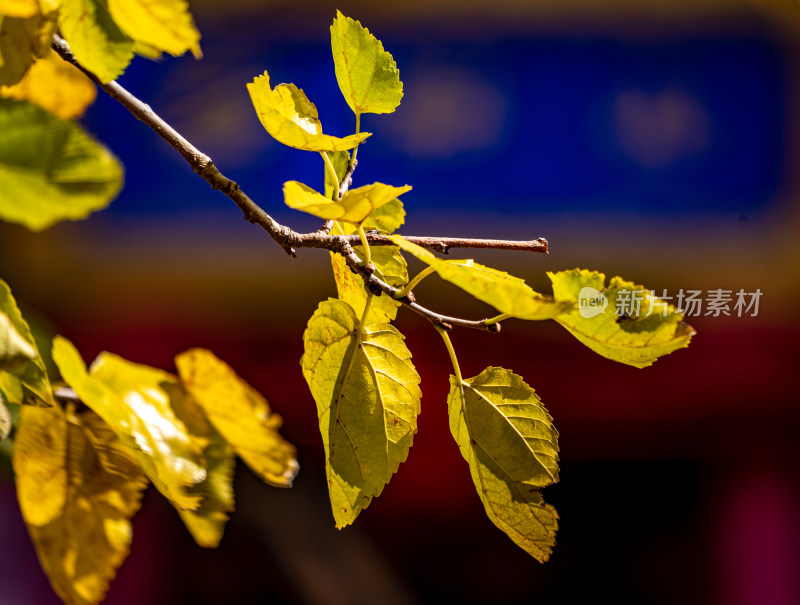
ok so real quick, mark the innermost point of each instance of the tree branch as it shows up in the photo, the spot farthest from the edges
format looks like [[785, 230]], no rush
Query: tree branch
[[284, 236]]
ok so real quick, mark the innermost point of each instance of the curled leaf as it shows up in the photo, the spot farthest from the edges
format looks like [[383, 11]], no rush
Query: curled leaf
[[23, 377], [354, 207], [652, 328], [241, 415], [288, 115], [137, 403], [368, 399], [165, 25]]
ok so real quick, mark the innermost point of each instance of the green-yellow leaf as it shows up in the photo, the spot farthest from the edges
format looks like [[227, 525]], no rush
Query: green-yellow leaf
[[240, 414], [390, 266], [636, 339], [136, 402], [507, 438], [207, 522], [22, 41], [291, 119], [57, 86], [23, 377], [50, 169], [354, 207], [78, 489], [368, 76], [506, 293], [368, 399], [96, 40], [163, 24]]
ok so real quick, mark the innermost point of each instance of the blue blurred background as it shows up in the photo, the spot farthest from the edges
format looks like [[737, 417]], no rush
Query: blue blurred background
[[656, 140]]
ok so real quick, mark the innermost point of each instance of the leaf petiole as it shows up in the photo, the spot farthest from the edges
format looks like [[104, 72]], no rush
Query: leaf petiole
[[414, 282], [358, 130], [332, 172], [365, 243], [456, 368], [497, 318]]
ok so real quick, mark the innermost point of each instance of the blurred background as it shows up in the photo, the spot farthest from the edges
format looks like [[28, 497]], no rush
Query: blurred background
[[654, 140]]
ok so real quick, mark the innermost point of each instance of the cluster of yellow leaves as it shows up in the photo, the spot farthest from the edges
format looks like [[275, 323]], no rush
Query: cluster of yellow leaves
[[80, 474]]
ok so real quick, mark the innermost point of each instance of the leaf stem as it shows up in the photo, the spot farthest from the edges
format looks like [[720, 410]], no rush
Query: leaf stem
[[365, 243], [332, 171], [453, 358], [367, 306], [497, 318], [414, 282], [355, 149]]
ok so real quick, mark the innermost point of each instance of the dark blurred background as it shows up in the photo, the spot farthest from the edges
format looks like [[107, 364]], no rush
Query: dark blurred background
[[655, 140]]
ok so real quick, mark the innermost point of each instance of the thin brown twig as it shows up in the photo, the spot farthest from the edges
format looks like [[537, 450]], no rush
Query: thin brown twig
[[284, 236]]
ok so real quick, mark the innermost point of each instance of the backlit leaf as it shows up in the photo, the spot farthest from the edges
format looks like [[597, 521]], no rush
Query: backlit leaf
[[390, 266], [354, 207], [240, 414], [96, 40], [23, 377], [163, 24], [78, 489], [136, 402], [368, 76], [207, 522], [288, 115], [506, 293], [508, 439], [22, 41], [50, 169], [55, 85], [638, 338], [368, 399]]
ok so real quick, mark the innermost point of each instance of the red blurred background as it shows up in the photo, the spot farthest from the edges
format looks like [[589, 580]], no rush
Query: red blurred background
[[657, 141]]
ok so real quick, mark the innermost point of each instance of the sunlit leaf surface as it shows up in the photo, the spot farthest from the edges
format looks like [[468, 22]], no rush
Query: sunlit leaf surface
[[506, 293], [508, 439], [240, 414], [368, 76], [165, 25], [288, 115], [368, 400], [636, 338], [78, 489]]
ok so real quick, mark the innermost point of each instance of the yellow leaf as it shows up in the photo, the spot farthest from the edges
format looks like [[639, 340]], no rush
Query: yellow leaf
[[136, 401], [19, 8], [368, 399], [26, 382], [241, 415], [78, 489], [207, 522], [507, 438], [22, 41], [56, 85], [162, 24], [95, 38], [288, 115], [506, 293], [354, 207]]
